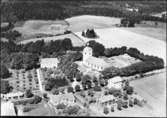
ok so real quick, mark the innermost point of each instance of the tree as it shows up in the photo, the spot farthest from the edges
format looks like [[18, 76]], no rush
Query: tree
[[70, 89], [37, 99], [91, 93], [55, 91], [77, 88], [129, 90], [119, 104], [97, 88], [28, 93], [78, 76], [102, 82], [135, 101], [112, 108], [5, 87], [86, 81], [98, 49], [67, 44], [130, 103], [105, 110], [72, 110], [83, 33], [90, 34], [4, 72], [125, 104], [125, 97]]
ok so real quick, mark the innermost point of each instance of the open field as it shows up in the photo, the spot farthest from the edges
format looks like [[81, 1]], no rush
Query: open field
[[158, 33], [33, 27], [75, 40], [116, 37], [153, 89], [79, 23]]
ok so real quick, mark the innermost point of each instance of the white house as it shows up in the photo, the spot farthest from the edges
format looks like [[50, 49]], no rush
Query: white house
[[12, 96], [92, 62], [115, 82], [49, 62]]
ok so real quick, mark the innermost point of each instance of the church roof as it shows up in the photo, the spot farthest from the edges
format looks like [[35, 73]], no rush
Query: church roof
[[98, 62]]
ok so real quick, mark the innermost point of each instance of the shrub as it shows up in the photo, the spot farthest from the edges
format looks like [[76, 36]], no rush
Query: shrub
[[61, 106]]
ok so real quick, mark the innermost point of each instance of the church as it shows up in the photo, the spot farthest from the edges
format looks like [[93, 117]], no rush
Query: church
[[93, 62]]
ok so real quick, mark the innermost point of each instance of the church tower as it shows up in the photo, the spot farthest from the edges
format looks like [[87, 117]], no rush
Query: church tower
[[87, 52]]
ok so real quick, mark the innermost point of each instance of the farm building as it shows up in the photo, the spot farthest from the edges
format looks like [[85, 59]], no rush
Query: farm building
[[62, 98], [93, 62], [49, 62], [106, 99], [115, 82]]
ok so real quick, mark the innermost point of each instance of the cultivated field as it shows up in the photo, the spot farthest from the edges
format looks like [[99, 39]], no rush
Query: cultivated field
[[158, 33], [153, 89], [75, 40], [116, 37], [79, 23]]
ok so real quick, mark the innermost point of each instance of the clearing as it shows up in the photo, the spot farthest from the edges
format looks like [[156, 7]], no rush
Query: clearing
[[34, 27]]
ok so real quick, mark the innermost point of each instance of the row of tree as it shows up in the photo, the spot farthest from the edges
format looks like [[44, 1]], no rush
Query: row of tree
[[147, 64]]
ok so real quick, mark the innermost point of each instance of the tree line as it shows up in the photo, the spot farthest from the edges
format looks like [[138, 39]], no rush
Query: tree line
[[17, 10], [147, 63]]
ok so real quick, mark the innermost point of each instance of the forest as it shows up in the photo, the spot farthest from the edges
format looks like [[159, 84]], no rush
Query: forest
[[21, 10]]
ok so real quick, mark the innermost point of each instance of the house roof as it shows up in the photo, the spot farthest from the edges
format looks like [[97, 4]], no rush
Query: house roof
[[13, 94], [115, 79], [87, 49], [98, 61], [49, 62], [106, 98], [60, 97]]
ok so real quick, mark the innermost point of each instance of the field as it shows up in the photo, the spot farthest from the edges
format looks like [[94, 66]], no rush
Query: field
[[158, 33], [79, 23], [116, 37], [33, 27], [153, 89]]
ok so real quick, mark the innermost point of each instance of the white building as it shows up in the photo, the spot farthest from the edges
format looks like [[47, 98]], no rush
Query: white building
[[13, 96], [115, 82], [7, 109], [67, 99], [49, 62], [92, 62]]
